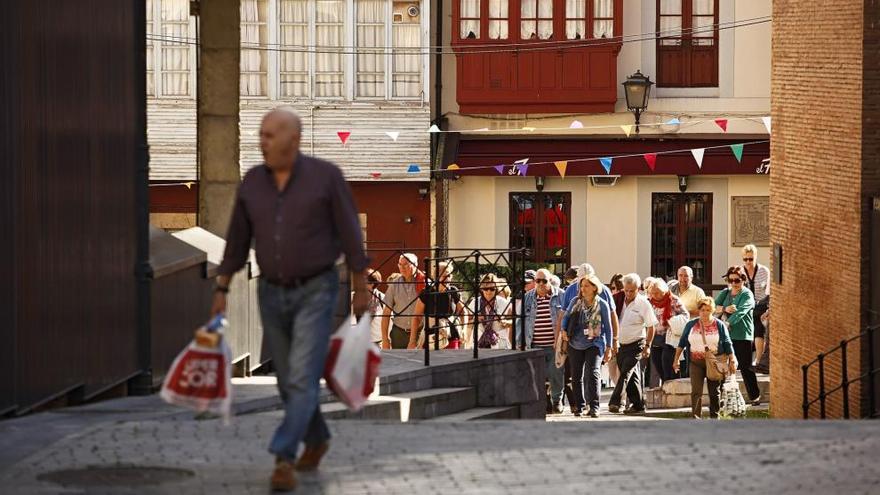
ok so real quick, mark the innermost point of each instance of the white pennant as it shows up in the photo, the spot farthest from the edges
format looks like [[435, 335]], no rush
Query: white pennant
[[393, 135], [576, 125], [766, 123], [627, 129], [698, 156]]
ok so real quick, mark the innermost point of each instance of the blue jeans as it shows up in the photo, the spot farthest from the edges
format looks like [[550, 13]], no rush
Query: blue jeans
[[554, 375], [297, 324]]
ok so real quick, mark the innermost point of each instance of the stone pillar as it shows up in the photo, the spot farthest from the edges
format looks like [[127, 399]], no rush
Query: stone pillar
[[218, 95]]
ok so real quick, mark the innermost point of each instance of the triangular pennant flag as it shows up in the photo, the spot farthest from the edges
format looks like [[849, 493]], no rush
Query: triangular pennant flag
[[651, 159], [376, 175], [606, 163], [698, 156], [413, 169], [522, 166], [452, 166], [500, 169], [393, 135], [530, 129], [561, 166], [434, 128], [722, 123], [627, 129], [737, 151], [343, 136], [673, 121], [766, 123], [576, 125]]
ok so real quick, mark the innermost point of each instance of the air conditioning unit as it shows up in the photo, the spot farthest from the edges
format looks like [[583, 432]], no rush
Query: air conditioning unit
[[413, 11], [604, 180]]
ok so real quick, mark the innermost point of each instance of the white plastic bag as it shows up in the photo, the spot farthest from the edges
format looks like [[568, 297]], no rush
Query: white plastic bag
[[352, 364], [733, 405], [676, 328]]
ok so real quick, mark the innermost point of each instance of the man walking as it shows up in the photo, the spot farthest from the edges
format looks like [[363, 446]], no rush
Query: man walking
[[542, 306], [637, 322], [300, 212]]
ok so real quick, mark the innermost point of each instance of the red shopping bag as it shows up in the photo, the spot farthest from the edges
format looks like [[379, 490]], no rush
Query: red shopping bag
[[201, 376], [352, 364]]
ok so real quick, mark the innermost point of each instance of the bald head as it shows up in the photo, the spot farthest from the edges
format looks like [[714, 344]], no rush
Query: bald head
[[279, 137]]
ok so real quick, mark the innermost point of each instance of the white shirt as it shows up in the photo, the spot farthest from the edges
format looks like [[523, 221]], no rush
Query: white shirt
[[502, 306], [636, 316]]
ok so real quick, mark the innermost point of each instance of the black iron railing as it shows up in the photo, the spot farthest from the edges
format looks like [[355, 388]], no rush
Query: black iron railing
[[867, 347]]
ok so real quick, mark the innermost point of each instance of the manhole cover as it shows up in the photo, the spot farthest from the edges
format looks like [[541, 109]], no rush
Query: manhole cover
[[97, 476]]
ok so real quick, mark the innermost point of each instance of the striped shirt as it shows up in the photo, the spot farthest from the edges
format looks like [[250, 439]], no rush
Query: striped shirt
[[543, 324], [760, 285]]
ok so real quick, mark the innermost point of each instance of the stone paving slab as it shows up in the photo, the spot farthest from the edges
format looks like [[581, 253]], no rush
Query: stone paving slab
[[485, 457]]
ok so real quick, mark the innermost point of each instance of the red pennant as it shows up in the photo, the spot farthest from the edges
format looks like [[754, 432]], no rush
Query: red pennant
[[722, 123], [376, 175], [343, 136], [651, 158]]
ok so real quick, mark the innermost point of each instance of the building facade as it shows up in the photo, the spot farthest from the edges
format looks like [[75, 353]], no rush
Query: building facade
[[540, 80], [363, 105]]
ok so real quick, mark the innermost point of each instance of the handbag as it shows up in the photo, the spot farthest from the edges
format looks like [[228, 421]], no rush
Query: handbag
[[715, 369], [441, 331]]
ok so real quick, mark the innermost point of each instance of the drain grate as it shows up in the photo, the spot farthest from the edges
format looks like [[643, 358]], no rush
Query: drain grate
[[102, 476]]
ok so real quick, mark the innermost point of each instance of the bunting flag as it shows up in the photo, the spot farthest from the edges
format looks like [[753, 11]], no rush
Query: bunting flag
[[576, 125], [500, 169], [673, 121], [452, 166], [698, 156], [376, 175], [530, 129], [766, 121], [651, 160], [434, 128], [722, 123], [343, 136], [606, 164], [737, 151], [627, 129], [413, 169], [522, 166], [393, 135], [561, 166]]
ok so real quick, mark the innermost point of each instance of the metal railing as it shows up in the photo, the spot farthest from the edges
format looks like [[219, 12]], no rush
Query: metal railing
[[867, 347]]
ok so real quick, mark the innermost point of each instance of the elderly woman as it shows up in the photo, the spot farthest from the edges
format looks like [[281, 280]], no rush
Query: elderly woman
[[491, 311], [700, 334], [587, 327], [665, 307], [758, 281], [441, 303], [735, 305]]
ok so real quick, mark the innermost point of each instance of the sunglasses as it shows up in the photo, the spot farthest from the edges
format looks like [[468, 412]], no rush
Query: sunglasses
[[540, 281], [748, 259], [735, 280], [487, 289]]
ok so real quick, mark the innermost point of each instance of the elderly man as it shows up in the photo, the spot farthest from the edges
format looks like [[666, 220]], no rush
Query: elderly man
[[686, 291], [542, 308], [300, 212], [400, 299], [637, 323]]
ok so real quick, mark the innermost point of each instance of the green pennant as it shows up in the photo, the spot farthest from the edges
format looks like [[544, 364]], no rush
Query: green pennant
[[737, 151]]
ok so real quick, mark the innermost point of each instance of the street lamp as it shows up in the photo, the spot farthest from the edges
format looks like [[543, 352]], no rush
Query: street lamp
[[637, 88]]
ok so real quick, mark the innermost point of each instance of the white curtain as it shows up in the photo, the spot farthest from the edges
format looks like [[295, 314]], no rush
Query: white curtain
[[603, 28], [371, 35], [498, 12], [575, 19], [531, 27], [406, 66], [175, 55], [670, 22], [253, 62], [294, 32], [330, 38], [545, 27], [470, 28], [703, 19]]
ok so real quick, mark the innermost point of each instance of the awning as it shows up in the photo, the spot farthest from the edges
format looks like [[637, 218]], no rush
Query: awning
[[674, 156]]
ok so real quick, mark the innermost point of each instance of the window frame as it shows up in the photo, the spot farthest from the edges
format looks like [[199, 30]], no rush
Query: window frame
[[268, 25], [157, 56], [686, 46], [680, 227]]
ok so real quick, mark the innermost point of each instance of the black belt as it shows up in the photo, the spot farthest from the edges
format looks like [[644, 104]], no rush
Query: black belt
[[297, 282]]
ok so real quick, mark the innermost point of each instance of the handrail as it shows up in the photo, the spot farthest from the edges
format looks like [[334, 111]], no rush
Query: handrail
[[868, 336]]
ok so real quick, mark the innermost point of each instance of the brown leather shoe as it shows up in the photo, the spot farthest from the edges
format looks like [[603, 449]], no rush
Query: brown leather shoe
[[311, 457], [283, 478]]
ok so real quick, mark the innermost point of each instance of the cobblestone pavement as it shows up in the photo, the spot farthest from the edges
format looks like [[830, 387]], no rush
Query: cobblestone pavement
[[504, 457]]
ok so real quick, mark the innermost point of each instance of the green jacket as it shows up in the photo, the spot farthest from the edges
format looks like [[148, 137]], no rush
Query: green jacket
[[741, 322]]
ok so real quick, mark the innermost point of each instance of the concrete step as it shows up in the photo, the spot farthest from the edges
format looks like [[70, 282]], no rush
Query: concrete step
[[477, 413], [421, 404], [677, 393]]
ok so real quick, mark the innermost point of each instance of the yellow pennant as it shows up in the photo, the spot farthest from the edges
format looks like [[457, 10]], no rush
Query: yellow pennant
[[453, 166], [561, 166], [627, 129]]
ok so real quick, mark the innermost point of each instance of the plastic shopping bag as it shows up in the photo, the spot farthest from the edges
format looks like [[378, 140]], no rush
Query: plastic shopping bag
[[352, 364], [733, 405], [201, 376]]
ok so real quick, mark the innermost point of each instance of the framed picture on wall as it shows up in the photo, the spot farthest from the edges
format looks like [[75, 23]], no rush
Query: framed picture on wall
[[750, 220]]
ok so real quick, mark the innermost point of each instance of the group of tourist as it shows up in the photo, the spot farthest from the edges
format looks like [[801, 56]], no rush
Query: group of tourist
[[644, 331]]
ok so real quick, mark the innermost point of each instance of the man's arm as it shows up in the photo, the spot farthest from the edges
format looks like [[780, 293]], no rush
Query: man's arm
[[235, 254]]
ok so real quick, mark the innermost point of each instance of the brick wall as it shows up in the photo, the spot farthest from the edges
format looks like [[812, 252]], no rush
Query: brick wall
[[816, 187]]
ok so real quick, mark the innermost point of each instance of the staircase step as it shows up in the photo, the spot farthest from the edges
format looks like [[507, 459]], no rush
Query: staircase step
[[422, 404], [477, 413]]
